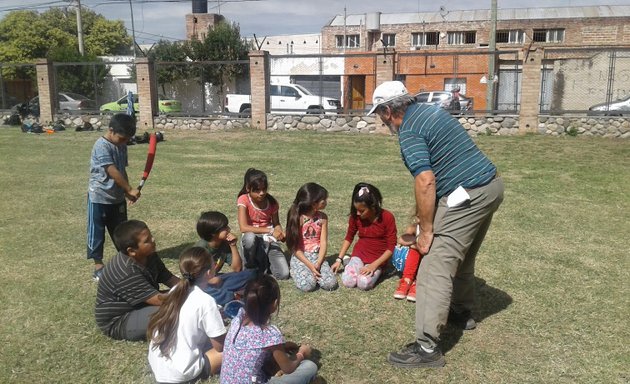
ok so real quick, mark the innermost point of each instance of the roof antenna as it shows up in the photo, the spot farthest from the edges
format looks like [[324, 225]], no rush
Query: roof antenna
[[443, 12]]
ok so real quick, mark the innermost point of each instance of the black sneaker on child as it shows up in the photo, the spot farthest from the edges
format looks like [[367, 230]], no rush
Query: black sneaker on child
[[462, 320], [413, 355]]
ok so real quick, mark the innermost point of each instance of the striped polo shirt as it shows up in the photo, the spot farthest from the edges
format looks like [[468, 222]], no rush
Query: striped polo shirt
[[431, 139], [125, 286]]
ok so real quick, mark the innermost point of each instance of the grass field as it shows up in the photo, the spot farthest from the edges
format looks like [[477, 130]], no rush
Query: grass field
[[553, 293]]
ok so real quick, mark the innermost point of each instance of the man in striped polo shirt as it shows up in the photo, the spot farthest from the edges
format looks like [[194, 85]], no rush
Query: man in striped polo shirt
[[457, 190]]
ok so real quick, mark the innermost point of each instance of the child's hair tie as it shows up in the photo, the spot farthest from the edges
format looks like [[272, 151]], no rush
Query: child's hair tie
[[362, 191], [188, 276]]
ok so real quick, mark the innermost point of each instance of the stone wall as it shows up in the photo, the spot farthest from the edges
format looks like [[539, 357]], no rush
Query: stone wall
[[603, 126]]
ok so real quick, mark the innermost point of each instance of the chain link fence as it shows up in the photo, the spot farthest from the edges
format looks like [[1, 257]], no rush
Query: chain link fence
[[592, 81], [80, 88], [432, 76], [306, 84], [18, 84], [200, 88]]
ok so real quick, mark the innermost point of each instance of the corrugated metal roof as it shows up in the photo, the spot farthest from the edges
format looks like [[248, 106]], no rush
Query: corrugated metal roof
[[484, 14]]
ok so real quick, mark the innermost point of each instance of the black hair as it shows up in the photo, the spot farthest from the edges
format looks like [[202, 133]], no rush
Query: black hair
[[260, 294], [255, 180], [369, 195], [211, 223], [123, 124], [307, 195], [126, 234]]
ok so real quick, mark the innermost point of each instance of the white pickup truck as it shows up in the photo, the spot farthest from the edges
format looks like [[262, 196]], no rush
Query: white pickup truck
[[285, 98]]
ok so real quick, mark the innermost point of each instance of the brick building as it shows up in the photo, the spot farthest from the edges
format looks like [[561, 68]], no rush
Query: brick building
[[444, 49]]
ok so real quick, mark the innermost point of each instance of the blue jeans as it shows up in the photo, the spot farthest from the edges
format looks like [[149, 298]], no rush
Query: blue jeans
[[303, 374], [101, 216], [231, 283]]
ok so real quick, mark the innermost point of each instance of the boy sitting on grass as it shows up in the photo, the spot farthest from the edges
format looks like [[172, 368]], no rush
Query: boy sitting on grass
[[218, 240], [128, 290]]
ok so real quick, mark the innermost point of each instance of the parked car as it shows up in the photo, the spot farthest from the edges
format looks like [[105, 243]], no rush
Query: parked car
[[615, 108], [165, 105], [68, 101], [444, 99], [285, 98]]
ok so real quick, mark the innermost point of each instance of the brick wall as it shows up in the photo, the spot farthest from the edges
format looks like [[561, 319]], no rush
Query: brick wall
[[578, 33]]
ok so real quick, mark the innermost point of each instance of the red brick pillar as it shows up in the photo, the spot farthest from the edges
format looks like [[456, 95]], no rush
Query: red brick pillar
[[46, 88], [259, 83], [147, 93], [530, 91], [385, 67]]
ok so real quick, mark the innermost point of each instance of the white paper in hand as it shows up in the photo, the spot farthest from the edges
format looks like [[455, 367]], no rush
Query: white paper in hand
[[457, 197]]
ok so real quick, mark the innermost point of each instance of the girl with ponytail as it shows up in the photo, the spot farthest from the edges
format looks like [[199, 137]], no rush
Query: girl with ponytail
[[255, 349], [307, 236], [187, 332]]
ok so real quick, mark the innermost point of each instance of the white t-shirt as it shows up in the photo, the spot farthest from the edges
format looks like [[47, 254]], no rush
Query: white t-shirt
[[199, 319]]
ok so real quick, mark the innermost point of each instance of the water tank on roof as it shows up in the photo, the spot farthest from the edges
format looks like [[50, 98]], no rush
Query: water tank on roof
[[373, 21], [199, 6]]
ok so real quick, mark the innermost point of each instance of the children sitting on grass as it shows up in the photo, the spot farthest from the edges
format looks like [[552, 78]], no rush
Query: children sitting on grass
[[216, 238], [260, 226], [187, 332], [128, 290], [376, 228], [307, 237]]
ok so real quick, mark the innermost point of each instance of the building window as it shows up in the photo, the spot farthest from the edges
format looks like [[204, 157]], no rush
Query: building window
[[389, 39], [352, 41], [510, 37], [460, 38], [548, 35], [425, 38]]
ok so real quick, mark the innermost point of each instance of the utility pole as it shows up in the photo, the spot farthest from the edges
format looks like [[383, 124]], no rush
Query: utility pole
[[344, 29], [492, 47], [80, 28], [133, 30]]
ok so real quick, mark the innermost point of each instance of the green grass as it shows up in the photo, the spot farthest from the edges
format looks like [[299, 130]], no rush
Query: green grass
[[553, 273]]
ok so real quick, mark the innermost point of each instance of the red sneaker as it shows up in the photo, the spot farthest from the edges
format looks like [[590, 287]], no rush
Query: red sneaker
[[401, 292], [411, 295]]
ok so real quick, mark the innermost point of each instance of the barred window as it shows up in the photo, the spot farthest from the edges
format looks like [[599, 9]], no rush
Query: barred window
[[548, 35], [389, 39], [513, 36], [463, 37], [419, 39], [352, 41]]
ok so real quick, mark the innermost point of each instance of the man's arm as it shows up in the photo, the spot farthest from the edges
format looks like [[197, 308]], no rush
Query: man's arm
[[424, 188]]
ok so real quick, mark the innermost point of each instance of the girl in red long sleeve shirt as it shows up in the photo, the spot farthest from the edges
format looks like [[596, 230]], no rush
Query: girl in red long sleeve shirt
[[377, 238]]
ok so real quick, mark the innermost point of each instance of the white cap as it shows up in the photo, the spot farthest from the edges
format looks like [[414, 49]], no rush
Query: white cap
[[387, 92]]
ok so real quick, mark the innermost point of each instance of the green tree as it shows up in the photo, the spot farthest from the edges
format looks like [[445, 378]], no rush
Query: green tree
[[84, 74], [221, 44], [28, 35], [164, 54]]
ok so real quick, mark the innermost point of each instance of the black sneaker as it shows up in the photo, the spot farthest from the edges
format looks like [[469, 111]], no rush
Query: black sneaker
[[462, 320], [414, 356]]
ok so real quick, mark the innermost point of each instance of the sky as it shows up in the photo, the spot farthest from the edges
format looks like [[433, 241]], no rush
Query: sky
[[164, 19]]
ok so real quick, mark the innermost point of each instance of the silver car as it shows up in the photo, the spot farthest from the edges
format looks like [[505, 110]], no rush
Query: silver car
[[444, 100], [68, 101], [614, 108]]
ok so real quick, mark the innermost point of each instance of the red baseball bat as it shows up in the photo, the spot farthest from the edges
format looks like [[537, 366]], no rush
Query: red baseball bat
[[150, 158]]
